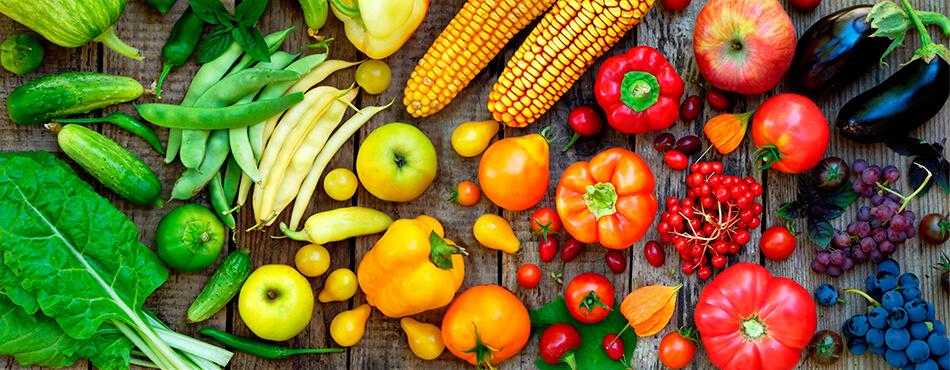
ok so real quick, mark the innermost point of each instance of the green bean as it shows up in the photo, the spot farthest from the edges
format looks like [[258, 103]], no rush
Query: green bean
[[273, 42], [221, 205], [193, 180], [241, 149], [278, 60], [243, 189], [174, 143], [167, 115], [193, 143], [232, 178], [126, 122]]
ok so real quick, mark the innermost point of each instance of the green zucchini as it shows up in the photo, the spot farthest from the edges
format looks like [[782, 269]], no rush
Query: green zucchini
[[223, 285], [110, 163], [65, 94]]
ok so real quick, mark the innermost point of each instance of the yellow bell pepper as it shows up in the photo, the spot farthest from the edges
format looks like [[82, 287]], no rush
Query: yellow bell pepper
[[411, 269], [379, 27]]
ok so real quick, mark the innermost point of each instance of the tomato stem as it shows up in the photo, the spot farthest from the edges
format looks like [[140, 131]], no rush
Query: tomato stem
[[481, 351], [768, 154], [752, 328], [568, 359], [590, 301], [570, 143]]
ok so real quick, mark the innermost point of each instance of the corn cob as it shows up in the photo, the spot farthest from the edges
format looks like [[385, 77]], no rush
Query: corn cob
[[465, 46], [566, 42]]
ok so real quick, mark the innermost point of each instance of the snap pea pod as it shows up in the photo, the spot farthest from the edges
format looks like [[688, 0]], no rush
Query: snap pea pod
[[162, 5], [273, 42], [278, 60], [168, 115], [181, 43], [192, 181], [126, 122], [232, 177], [260, 349], [219, 201]]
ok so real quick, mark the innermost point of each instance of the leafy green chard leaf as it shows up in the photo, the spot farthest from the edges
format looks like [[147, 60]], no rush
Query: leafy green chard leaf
[[590, 355], [10, 287], [37, 340], [42, 157], [84, 270], [820, 231]]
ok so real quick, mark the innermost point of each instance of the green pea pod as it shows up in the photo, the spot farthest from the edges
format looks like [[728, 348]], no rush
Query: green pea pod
[[236, 86], [21, 54], [163, 6], [315, 14], [126, 122], [176, 116], [218, 200], [193, 180], [181, 43], [232, 178]]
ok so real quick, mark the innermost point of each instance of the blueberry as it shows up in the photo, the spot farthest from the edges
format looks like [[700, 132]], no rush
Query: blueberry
[[897, 318], [930, 365], [916, 310], [931, 312], [875, 337], [908, 280], [910, 366], [892, 299], [895, 358], [938, 327], [885, 281], [910, 292], [919, 330], [917, 351], [844, 329], [857, 346], [889, 265], [878, 318], [871, 284], [896, 339], [944, 361], [878, 350], [858, 325], [939, 344], [826, 295]]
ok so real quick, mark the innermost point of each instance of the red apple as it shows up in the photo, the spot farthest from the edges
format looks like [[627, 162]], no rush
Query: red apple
[[745, 46]]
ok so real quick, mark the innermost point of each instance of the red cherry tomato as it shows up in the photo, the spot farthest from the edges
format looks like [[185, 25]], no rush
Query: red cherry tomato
[[676, 160], [558, 343], [805, 4], [613, 347], [529, 275], [585, 121], [616, 261], [676, 5], [691, 107], [572, 247], [718, 100], [545, 222], [589, 297], [548, 249], [777, 243], [654, 253], [676, 351]]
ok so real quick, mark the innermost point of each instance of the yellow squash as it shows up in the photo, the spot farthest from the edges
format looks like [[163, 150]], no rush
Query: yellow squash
[[411, 269]]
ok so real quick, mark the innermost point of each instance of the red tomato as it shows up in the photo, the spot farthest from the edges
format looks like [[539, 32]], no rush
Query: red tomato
[[676, 351], [805, 4], [748, 319], [718, 100], [558, 343], [790, 132], [548, 249], [777, 243], [654, 253], [615, 261], [590, 297], [676, 5], [585, 120], [613, 346], [676, 160], [545, 221], [529, 275]]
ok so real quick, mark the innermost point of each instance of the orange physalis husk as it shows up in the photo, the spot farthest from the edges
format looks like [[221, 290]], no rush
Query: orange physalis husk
[[649, 309], [726, 131]]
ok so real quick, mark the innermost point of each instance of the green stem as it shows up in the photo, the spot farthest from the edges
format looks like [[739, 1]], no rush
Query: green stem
[[441, 253], [753, 328], [570, 143], [927, 49], [569, 359], [865, 295], [639, 90], [158, 86], [353, 12], [109, 39], [912, 195], [932, 18], [295, 235], [601, 199]]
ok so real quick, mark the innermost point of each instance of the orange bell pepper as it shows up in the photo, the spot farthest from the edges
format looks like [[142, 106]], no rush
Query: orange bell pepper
[[608, 200]]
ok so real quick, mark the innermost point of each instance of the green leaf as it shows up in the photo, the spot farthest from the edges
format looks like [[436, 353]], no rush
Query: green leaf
[[84, 270], [590, 355], [208, 10], [217, 42], [41, 157], [252, 42], [249, 11]]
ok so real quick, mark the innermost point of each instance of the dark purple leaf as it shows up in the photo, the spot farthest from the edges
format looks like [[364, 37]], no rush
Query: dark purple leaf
[[918, 175], [820, 231], [942, 175], [790, 210], [907, 146]]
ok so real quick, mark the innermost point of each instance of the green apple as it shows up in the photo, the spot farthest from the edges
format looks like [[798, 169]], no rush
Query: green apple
[[396, 162], [276, 302]]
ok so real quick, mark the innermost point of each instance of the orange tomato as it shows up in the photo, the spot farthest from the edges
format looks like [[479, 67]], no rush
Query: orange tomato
[[466, 193], [514, 172], [489, 321]]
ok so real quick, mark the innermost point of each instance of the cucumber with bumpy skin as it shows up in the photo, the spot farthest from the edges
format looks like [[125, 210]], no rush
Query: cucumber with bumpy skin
[[54, 96], [110, 163], [223, 285]]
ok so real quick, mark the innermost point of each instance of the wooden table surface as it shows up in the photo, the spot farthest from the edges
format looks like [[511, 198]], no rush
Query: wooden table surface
[[384, 345]]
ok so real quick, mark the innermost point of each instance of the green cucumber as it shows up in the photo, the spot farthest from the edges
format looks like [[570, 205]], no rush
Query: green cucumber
[[223, 285], [110, 163], [54, 96]]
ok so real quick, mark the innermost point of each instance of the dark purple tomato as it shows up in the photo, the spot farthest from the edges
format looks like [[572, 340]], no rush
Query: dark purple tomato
[[832, 172], [934, 229]]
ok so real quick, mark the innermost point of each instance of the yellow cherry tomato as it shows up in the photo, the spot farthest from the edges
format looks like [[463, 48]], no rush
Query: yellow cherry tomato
[[373, 76], [312, 260], [425, 340], [466, 193], [494, 232], [340, 184], [471, 138], [341, 285], [347, 327]]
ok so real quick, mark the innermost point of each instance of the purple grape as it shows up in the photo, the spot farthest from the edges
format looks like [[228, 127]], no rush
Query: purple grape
[[871, 175], [837, 258], [824, 258], [864, 214], [911, 231], [883, 213], [898, 222], [863, 229], [834, 271], [875, 255], [859, 165], [909, 215], [886, 247], [840, 239], [848, 264], [875, 222], [859, 255], [894, 198], [895, 236], [891, 174], [868, 192], [879, 235], [877, 200], [852, 228], [867, 245], [817, 266], [859, 187]]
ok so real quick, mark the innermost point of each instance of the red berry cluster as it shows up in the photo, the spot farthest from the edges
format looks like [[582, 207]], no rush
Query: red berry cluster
[[712, 220]]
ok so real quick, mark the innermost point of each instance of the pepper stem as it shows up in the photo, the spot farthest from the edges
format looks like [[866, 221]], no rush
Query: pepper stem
[[158, 86], [110, 40], [442, 251], [639, 90], [568, 358], [351, 11], [601, 199]]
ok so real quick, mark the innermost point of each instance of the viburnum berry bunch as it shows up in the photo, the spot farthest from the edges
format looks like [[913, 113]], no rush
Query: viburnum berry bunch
[[712, 220]]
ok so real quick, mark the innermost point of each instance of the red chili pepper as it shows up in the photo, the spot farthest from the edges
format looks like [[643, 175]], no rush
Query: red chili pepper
[[639, 91]]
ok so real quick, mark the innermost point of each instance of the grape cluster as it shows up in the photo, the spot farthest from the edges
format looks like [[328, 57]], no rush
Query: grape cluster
[[880, 228], [901, 326], [712, 220]]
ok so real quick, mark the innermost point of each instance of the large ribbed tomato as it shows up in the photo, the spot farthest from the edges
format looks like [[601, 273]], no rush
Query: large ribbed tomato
[[751, 320], [513, 172], [485, 325], [790, 132]]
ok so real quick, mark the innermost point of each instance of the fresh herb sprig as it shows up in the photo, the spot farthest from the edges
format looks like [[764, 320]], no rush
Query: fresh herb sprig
[[818, 206], [927, 155], [237, 27]]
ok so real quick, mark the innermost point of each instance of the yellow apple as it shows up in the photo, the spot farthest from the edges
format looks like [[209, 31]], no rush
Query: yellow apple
[[396, 162], [276, 302]]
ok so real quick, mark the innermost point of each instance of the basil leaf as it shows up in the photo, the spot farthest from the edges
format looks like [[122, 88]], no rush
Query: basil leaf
[[820, 231], [831, 211], [790, 210], [906, 146], [217, 42], [590, 354], [207, 10], [942, 175], [248, 12], [807, 188], [840, 198], [84, 270], [918, 175], [252, 42]]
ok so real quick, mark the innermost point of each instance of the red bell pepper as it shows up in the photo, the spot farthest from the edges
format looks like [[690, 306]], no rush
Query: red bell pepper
[[639, 91]]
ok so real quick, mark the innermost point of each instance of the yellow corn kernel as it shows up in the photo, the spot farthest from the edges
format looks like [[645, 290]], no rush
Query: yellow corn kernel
[[564, 45], [464, 48]]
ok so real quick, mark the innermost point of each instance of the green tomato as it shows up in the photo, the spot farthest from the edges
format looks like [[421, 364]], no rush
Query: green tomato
[[189, 238], [21, 53], [373, 76]]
